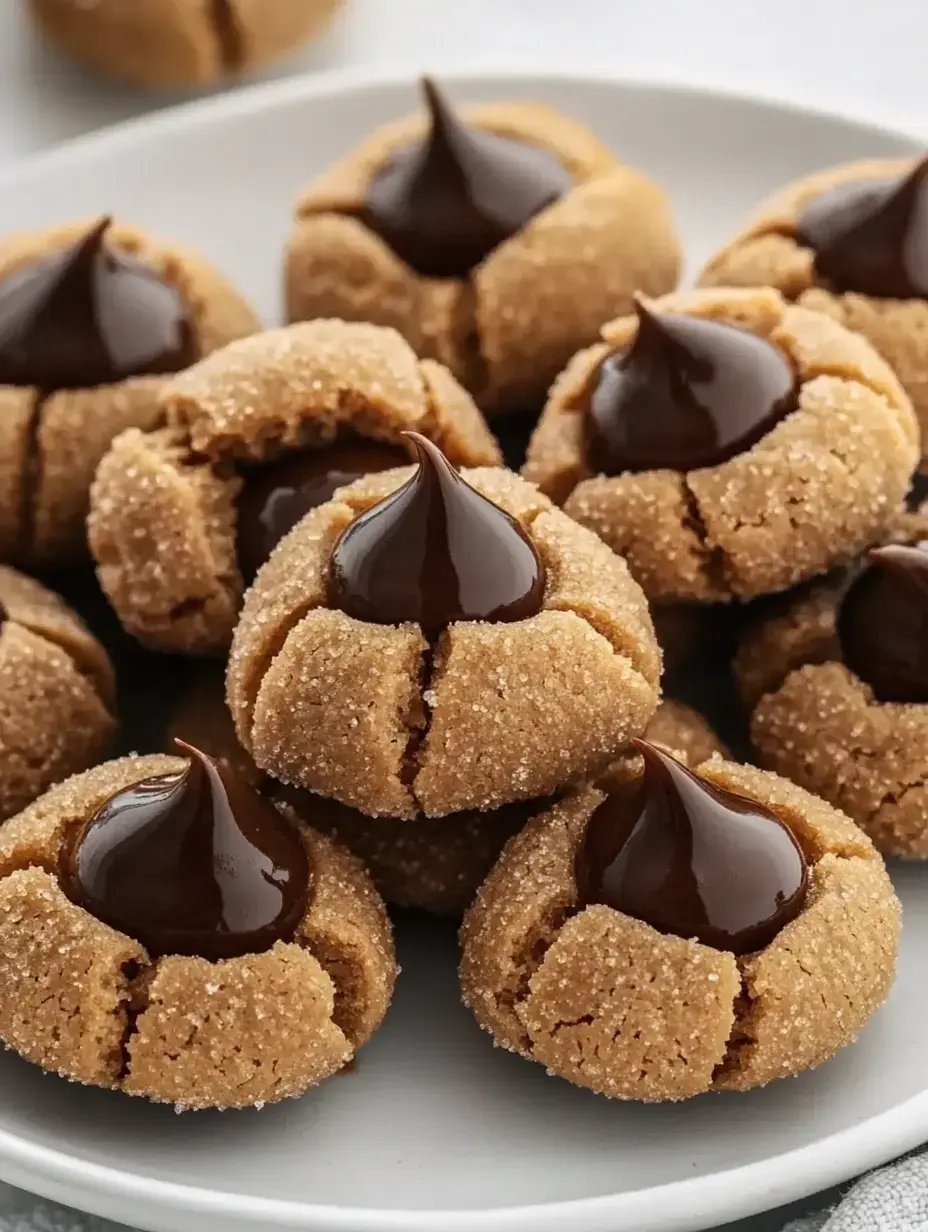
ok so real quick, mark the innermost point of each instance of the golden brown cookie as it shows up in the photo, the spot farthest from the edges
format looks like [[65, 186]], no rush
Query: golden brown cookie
[[179, 42], [65, 390], [835, 683], [772, 251], [818, 484], [87, 1000], [508, 315], [256, 435], [498, 703], [57, 692], [635, 1012]]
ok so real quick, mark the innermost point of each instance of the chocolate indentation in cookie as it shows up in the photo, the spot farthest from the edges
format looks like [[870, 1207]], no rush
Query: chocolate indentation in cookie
[[192, 863], [692, 859], [90, 314], [276, 497], [883, 623], [684, 393], [445, 202], [434, 552], [871, 236]]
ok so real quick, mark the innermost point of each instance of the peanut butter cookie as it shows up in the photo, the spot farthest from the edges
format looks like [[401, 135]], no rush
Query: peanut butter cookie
[[497, 242], [264, 430], [57, 693], [839, 681], [727, 443], [848, 242], [179, 42], [437, 642], [244, 973], [714, 930], [93, 318]]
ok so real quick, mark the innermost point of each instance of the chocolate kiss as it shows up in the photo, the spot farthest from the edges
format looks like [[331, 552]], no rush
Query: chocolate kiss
[[883, 623], [276, 497], [871, 236], [692, 859], [434, 552], [90, 315], [193, 863], [445, 202], [684, 393]]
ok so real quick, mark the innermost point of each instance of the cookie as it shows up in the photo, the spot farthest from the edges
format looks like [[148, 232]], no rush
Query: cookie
[[839, 685], [244, 973], [727, 444], [93, 319], [434, 642], [181, 42], [846, 242], [57, 692], [183, 516], [502, 272], [694, 932]]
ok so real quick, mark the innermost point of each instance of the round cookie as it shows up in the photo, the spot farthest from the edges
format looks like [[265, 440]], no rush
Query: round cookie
[[170, 43], [825, 712], [181, 517], [633, 1011], [93, 317], [57, 692], [514, 290], [206, 1013], [538, 665], [863, 290], [814, 474]]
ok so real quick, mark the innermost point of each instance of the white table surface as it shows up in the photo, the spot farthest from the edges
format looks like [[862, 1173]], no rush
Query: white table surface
[[857, 56]]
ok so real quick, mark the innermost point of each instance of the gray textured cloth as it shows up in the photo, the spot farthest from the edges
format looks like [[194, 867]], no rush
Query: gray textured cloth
[[892, 1199]]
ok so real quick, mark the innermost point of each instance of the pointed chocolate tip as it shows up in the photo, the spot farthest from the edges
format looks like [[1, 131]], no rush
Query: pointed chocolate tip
[[427, 452]]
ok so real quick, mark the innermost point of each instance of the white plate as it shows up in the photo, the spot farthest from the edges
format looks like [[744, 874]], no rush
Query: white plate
[[437, 1131]]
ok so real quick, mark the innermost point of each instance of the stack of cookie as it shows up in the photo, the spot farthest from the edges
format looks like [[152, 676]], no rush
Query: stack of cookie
[[421, 677]]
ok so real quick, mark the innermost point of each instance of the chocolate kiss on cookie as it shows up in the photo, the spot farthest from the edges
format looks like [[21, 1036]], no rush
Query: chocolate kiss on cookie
[[692, 859], [445, 202], [195, 863], [91, 314], [883, 623], [686, 392], [871, 236], [434, 552], [276, 497]]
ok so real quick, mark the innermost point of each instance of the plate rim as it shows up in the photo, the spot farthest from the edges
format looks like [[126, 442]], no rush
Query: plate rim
[[684, 1204]]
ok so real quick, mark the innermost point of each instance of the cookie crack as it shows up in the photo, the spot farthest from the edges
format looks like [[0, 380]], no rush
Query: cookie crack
[[715, 565], [740, 1037], [227, 31], [418, 720], [346, 976], [137, 980]]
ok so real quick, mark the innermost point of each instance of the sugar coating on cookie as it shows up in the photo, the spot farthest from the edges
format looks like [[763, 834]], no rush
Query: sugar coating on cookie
[[613, 1005], [57, 692], [817, 722], [507, 327], [377, 718], [770, 251], [813, 491], [51, 439], [165, 524], [87, 1002], [150, 43]]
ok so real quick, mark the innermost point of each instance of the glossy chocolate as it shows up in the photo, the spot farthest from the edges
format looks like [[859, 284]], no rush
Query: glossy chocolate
[[684, 393], [692, 859], [883, 623], [871, 236], [433, 552], [90, 314], [445, 202], [277, 496], [191, 863]]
